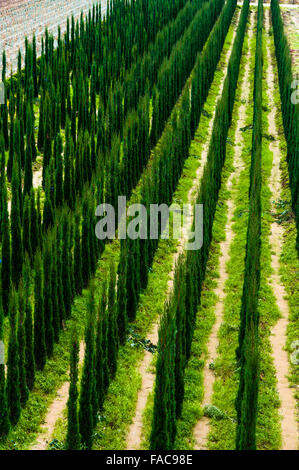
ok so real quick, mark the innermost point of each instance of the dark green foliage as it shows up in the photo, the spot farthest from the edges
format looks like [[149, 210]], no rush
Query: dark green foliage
[[99, 357], [13, 363], [122, 319], [34, 228], [73, 436], [112, 324], [88, 383], [24, 392], [29, 349], [58, 171], [6, 251], [27, 227], [290, 109], [40, 351], [247, 353], [28, 153], [47, 297], [164, 422], [4, 419], [16, 231], [66, 265]]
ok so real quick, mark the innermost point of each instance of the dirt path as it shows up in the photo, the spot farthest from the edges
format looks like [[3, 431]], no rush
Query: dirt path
[[202, 427], [279, 332], [55, 411], [148, 377]]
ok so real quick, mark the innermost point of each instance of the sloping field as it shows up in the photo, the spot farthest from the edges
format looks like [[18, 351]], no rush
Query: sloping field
[[166, 318]]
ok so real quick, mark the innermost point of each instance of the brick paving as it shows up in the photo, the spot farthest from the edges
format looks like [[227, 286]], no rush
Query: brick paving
[[20, 18]]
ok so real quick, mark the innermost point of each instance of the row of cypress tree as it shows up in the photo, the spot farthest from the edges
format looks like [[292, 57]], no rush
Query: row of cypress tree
[[178, 320], [247, 352], [76, 256], [99, 367], [290, 109], [136, 257], [84, 151], [60, 246]]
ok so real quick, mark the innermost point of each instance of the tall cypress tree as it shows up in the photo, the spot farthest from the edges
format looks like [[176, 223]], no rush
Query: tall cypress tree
[[66, 274], [6, 252], [34, 228], [73, 436], [58, 171], [54, 291], [85, 239], [13, 371], [4, 419], [28, 153], [112, 323], [59, 262], [27, 227], [86, 410], [78, 257], [24, 393], [99, 372], [40, 351], [122, 320], [47, 297], [16, 232], [29, 350]]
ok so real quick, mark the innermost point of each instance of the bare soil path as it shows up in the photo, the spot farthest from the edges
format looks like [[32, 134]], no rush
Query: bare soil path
[[279, 332], [202, 427], [134, 437]]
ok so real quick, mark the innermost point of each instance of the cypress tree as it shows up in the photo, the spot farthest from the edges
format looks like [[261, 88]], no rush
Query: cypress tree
[[122, 320], [34, 68], [47, 297], [40, 351], [2, 176], [40, 137], [4, 419], [99, 358], [13, 371], [11, 134], [16, 232], [28, 153], [58, 171], [24, 393], [105, 347], [67, 182], [86, 404], [59, 277], [85, 240], [112, 323], [73, 436], [54, 292], [27, 227], [29, 351], [6, 252], [48, 215], [131, 279], [47, 135], [66, 267], [34, 229], [78, 257]]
